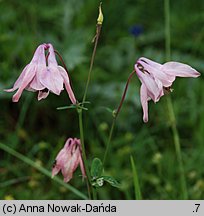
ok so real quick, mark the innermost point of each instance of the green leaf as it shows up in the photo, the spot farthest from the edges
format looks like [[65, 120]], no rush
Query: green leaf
[[85, 102], [111, 181], [72, 107], [96, 168], [82, 107], [66, 107], [109, 109]]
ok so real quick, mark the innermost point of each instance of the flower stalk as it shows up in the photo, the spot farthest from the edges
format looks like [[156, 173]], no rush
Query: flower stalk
[[88, 179], [61, 59], [95, 41], [80, 110], [115, 115], [170, 105]]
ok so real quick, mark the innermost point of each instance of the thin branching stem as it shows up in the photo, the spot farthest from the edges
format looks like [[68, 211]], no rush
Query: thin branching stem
[[115, 115], [109, 140], [80, 114], [124, 93], [88, 178], [96, 38]]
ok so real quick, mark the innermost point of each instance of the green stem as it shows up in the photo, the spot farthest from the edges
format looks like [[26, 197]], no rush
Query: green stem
[[94, 193], [109, 140], [44, 171], [177, 148], [138, 195], [170, 105], [98, 31], [115, 115], [167, 30], [24, 110], [80, 112], [88, 179]]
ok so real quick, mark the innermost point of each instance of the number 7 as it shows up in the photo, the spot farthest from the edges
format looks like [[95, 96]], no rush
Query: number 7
[[198, 205]]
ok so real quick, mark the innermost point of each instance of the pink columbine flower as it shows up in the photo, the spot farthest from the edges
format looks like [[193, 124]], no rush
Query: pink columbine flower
[[157, 78], [43, 75], [68, 159]]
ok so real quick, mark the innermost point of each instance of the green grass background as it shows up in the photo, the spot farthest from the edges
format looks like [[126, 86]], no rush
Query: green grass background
[[38, 131]]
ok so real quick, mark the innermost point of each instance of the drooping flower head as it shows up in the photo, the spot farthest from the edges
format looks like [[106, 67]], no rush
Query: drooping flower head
[[157, 78], [43, 75], [68, 159]]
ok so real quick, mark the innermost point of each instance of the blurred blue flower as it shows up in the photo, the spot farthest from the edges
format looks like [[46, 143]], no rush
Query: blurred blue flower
[[136, 30]]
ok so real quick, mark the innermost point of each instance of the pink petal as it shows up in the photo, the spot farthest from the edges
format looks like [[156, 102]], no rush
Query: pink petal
[[42, 95], [39, 55], [27, 79], [151, 63], [71, 166], [28, 76], [158, 74], [63, 157], [75, 156], [52, 80], [179, 69], [36, 84], [144, 102], [154, 86], [52, 59], [46, 77], [68, 176], [55, 170], [18, 81], [81, 163], [63, 160], [41, 68], [69, 143], [67, 84]]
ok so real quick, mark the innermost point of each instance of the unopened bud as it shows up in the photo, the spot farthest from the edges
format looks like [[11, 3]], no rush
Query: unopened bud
[[100, 16], [114, 113]]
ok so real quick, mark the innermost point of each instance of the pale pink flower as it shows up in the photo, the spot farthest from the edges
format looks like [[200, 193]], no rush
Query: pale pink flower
[[157, 78], [68, 159], [43, 76]]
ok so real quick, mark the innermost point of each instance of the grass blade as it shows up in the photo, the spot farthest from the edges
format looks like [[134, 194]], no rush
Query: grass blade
[[138, 195]]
